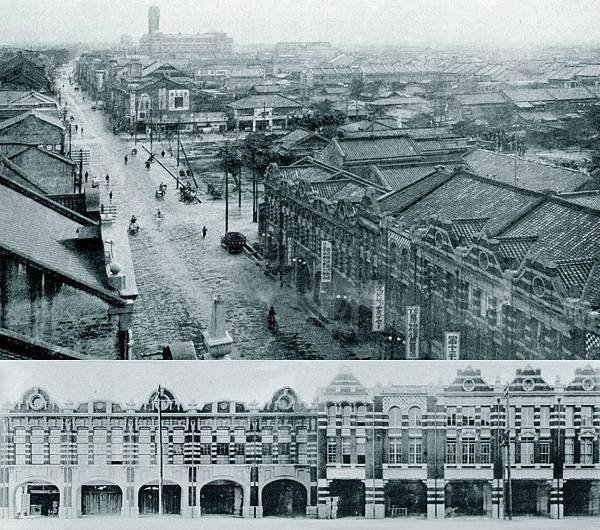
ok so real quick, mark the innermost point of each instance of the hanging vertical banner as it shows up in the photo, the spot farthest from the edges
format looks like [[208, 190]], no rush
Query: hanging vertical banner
[[325, 261], [452, 345], [379, 306], [413, 328]]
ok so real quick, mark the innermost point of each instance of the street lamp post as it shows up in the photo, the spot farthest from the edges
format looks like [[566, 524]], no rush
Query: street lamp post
[[160, 453], [508, 461]]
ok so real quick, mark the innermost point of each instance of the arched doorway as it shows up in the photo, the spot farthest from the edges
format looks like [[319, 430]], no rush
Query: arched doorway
[[148, 499], [37, 497], [284, 498], [221, 497], [350, 497], [101, 499]]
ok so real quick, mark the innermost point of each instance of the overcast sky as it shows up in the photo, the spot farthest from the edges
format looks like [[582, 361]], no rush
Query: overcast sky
[[245, 381], [343, 22]]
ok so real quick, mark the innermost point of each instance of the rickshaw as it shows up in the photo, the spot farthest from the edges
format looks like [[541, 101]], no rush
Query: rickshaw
[[161, 191]]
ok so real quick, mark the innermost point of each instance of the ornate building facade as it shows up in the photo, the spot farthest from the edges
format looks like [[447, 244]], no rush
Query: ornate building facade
[[394, 451], [513, 271]]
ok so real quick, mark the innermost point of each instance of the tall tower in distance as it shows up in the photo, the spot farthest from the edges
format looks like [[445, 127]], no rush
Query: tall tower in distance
[[153, 19]]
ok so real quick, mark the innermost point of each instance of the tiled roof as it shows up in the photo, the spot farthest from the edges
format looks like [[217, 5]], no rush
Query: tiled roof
[[467, 228], [397, 178], [40, 231], [40, 116], [564, 231], [345, 382], [351, 191], [516, 248], [264, 100], [292, 137], [15, 173], [571, 93], [395, 202], [591, 199], [465, 196], [528, 95], [591, 291], [531, 175], [487, 98], [312, 173], [574, 274], [328, 188], [357, 149]]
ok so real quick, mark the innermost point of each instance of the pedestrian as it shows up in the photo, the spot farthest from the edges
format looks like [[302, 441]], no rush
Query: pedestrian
[[107, 178], [204, 230], [86, 176], [76, 128], [83, 98], [125, 159], [110, 196], [188, 173], [162, 153], [147, 165], [82, 131]]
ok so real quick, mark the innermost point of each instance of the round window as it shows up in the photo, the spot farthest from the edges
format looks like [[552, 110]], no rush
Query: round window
[[528, 384], [439, 239], [36, 402], [588, 384], [484, 261], [539, 287], [468, 385], [284, 403]]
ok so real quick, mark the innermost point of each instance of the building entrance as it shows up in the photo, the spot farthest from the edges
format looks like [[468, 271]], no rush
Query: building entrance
[[221, 497], [468, 497], [148, 499], [530, 497], [38, 499], [104, 499], [409, 495], [350, 497], [284, 498], [582, 497]]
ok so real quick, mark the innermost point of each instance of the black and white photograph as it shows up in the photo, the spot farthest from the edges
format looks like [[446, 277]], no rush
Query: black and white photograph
[[222, 207]]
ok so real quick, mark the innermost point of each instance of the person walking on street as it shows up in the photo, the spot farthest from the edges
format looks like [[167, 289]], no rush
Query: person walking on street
[[204, 230], [110, 196], [162, 153], [86, 176], [125, 159], [76, 127], [107, 178], [82, 131]]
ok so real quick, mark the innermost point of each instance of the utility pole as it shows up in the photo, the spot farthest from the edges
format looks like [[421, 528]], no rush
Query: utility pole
[[515, 146], [80, 168], [373, 460], [226, 187], [508, 461], [160, 453], [70, 138], [178, 142]]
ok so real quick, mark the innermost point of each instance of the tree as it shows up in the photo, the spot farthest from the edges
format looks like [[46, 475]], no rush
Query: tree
[[256, 156], [322, 117], [357, 87]]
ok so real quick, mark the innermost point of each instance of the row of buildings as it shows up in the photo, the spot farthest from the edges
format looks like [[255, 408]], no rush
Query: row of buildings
[[388, 451], [497, 249]]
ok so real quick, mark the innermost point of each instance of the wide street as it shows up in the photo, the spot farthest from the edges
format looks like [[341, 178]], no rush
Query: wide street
[[228, 523], [177, 272]]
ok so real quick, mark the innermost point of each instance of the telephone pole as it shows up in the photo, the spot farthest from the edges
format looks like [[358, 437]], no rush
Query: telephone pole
[[508, 457], [160, 453], [226, 187]]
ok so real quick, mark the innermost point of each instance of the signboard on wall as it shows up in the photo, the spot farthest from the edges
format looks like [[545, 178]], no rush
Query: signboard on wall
[[379, 306], [325, 261], [263, 113], [452, 345], [413, 330]]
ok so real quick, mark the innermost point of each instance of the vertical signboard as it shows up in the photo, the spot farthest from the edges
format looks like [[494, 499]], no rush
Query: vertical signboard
[[325, 261], [413, 329], [379, 306], [452, 345]]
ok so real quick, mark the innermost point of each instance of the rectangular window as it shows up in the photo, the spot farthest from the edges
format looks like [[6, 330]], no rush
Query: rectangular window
[[54, 440], [222, 453], [587, 456], [468, 452], [484, 454], [100, 442], [544, 452], [116, 446], [360, 450], [37, 446], [513, 453], [569, 451], [545, 417], [346, 451], [301, 451], [527, 455], [240, 453], [587, 416], [569, 416], [267, 453], [526, 416], [485, 416], [82, 446], [178, 100], [512, 417], [451, 452], [178, 442], [283, 452], [451, 416], [331, 451], [205, 453], [395, 451], [20, 446], [415, 454], [468, 416]]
